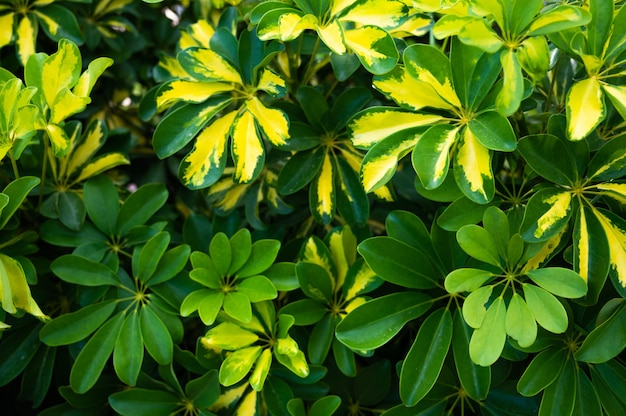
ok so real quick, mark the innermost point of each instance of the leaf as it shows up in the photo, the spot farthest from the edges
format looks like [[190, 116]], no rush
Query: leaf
[[101, 202], [547, 213], [238, 306], [61, 70], [220, 251], [615, 231], [558, 19], [587, 400], [128, 352], [466, 280], [430, 155], [156, 336], [478, 243], [475, 380], [321, 339], [82, 271], [549, 157], [150, 255], [94, 355], [547, 310], [273, 122], [493, 131], [261, 370], [474, 309], [487, 342], [399, 263], [237, 365], [205, 390], [559, 281], [262, 256], [374, 323], [229, 336], [315, 281], [520, 322], [472, 169], [140, 206], [610, 161], [352, 202], [585, 108], [557, 398], [17, 350], [544, 368], [606, 340], [143, 402], [257, 288], [424, 361], [591, 253], [322, 192], [16, 190], [299, 170], [171, 263], [247, 149], [374, 47], [75, 326], [510, 96]]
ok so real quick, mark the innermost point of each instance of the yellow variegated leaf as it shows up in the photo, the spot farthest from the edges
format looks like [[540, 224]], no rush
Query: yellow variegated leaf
[[386, 13], [14, 291], [102, 164], [332, 36], [353, 304], [6, 28], [67, 104], [478, 33], [53, 26], [247, 148], [93, 140], [311, 253], [228, 398], [273, 122], [371, 126], [4, 149], [384, 193], [247, 407], [364, 41], [291, 25], [450, 25], [197, 34], [558, 18], [585, 108], [271, 83], [378, 167], [617, 95], [364, 277], [592, 63], [408, 91], [25, 38], [261, 369], [616, 191], [616, 237], [60, 71], [189, 91], [559, 206], [88, 78], [323, 204], [172, 67], [473, 168], [339, 5], [489, 8], [108, 6], [208, 152], [4, 326], [211, 66], [237, 365], [444, 89], [231, 195], [342, 246], [416, 25], [512, 92], [230, 336], [58, 138]]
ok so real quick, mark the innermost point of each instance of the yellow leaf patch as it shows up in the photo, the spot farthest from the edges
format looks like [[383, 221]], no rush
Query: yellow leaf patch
[[362, 41], [101, 164], [212, 65], [616, 191], [190, 91], [60, 71], [87, 148], [560, 204], [247, 148], [25, 39], [373, 126], [585, 108], [583, 246], [616, 238], [6, 28], [475, 160], [408, 91], [325, 189], [273, 122], [375, 12], [332, 36]]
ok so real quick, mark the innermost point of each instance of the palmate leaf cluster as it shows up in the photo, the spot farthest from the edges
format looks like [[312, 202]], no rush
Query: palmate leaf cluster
[[312, 207]]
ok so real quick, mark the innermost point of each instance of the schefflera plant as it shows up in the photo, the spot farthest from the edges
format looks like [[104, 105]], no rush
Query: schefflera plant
[[231, 276], [253, 345], [334, 280], [509, 294]]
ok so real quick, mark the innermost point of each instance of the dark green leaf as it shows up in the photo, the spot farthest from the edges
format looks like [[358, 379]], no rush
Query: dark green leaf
[[262, 256], [140, 206], [204, 391], [17, 349], [16, 191], [315, 281], [81, 271], [549, 157], [557, 399], [156, 336], [144, 402], [299, 170], [128, 352], [73, 327], [102, 204], [542, 371], [321, 339], [475, 379], [493, 131], [605, 341]]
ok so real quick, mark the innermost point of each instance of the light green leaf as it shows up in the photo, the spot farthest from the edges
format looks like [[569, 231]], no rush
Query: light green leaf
[[585, 108], [488, 341], [466, 280], [229, 336], [520, 322], [547, 310], [238, 364]]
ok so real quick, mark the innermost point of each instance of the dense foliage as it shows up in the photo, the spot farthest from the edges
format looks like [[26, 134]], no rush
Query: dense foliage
[[312, 207]]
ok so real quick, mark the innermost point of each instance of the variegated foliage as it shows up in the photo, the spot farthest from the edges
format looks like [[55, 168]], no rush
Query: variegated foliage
[[358, 28], [219, 97], [333, 280], [447, 116]]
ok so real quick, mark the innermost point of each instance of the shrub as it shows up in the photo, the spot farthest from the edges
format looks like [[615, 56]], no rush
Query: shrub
[[313, 207]]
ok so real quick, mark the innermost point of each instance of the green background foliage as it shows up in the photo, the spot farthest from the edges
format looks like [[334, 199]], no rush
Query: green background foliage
[[312, 207]]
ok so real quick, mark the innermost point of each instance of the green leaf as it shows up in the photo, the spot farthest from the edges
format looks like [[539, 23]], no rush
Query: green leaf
[[547, 310], [150, 255], [305, 311], [257, 288], [220, 251], [559, 281], [101, 202], [144, 402], [520, 322], [557, 398], [591, 253], [587, 400], [156, 336], [479, 243], [229, 336], [75, 326], [549, 157], [94, 355], [71, 210], [315, 281], [610, 161], [205, 390], [466, 280], [171, 263], [17, 349], [299, 170], [510, 96], [606, 340], [487, 342], [352, 202], [374, 323], [321, 338], [398, 263], [238, 306], [16, 191], [262, 256], [560, 18], [314, 106], [475, 380], [140, 206], [474, 309], [423, 363], [58, 22], [237, 365], [81, 271], [544, 368], [494, 131], [128, 352], [430, 155], [409, 228], [462, 211], [325, 406]]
